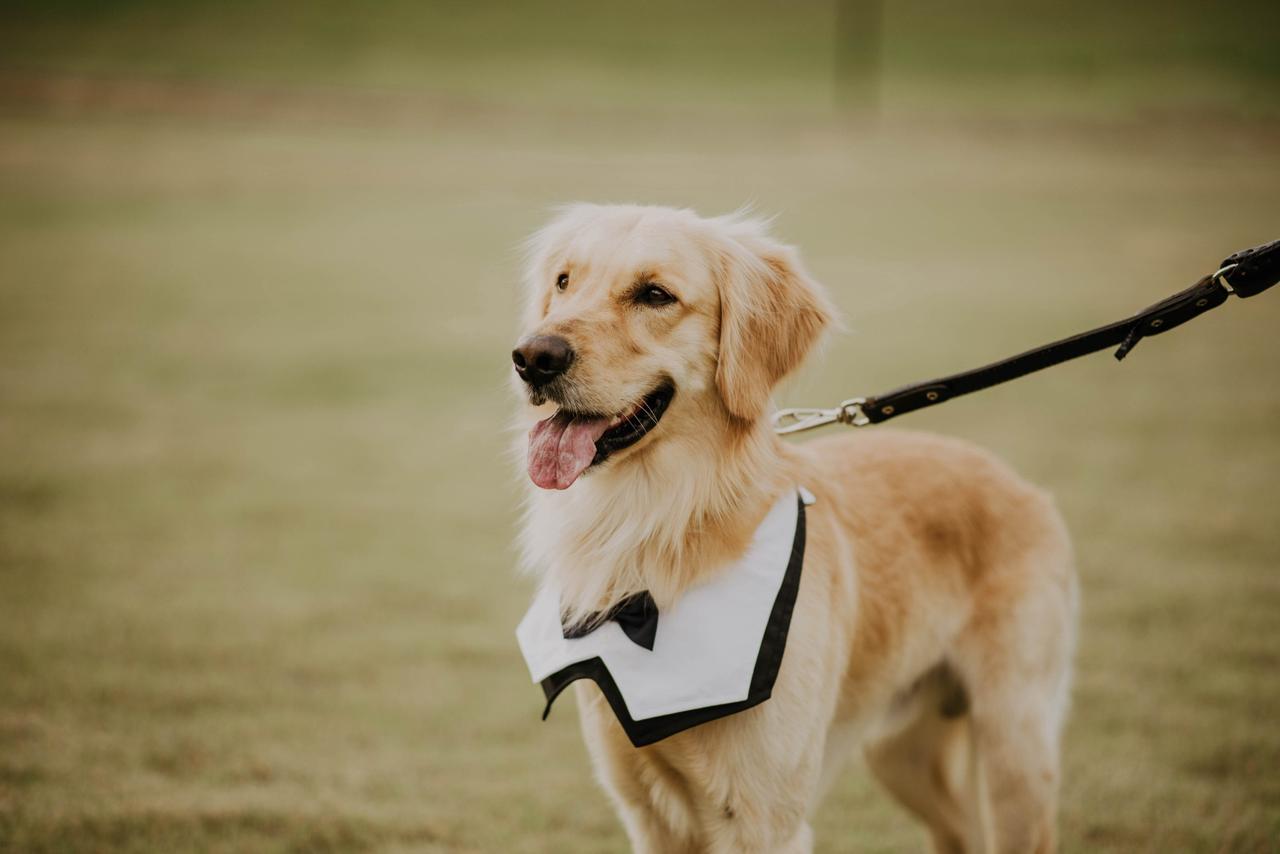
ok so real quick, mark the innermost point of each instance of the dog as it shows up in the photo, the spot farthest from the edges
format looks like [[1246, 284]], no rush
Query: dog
[[934, 626]]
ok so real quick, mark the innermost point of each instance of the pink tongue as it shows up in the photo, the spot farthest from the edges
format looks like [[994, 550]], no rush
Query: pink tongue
[[561, 448]]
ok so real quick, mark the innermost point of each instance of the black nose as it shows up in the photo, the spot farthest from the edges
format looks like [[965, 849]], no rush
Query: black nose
[[542, 358]]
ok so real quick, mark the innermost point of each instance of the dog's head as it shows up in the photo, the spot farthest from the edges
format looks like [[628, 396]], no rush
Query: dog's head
[[642, 323]]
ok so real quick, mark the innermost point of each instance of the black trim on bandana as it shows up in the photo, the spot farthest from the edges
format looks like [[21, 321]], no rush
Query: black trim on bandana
[[768, 662]]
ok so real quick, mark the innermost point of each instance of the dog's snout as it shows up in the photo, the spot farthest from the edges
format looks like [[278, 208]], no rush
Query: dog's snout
[[542, 358]]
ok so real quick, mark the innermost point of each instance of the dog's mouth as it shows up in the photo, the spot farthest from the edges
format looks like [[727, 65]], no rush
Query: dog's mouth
[[568, 443]]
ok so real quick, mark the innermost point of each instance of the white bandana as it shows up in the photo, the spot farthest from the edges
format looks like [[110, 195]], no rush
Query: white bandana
[[715, 652]]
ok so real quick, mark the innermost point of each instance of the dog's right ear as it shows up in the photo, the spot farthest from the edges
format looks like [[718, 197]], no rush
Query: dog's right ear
[[771, 314]]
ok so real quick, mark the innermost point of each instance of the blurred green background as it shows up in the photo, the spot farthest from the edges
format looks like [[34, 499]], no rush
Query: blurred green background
[[257, 291]]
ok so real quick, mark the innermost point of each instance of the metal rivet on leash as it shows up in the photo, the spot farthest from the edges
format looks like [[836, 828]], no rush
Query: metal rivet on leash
[[1254, 270]]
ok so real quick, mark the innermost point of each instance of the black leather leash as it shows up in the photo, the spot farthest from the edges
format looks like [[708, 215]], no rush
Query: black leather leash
[[1245, 274]]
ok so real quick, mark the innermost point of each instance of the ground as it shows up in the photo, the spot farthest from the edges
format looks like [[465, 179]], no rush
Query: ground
[[257, 587]]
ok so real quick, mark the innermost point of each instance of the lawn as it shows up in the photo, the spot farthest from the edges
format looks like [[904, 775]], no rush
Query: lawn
[[257, 290]]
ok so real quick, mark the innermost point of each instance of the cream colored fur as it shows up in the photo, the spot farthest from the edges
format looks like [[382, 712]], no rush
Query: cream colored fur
[[935, 622]]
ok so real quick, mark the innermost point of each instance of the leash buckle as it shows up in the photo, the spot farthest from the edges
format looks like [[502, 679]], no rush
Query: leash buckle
[[798, 419], [1221, 276]]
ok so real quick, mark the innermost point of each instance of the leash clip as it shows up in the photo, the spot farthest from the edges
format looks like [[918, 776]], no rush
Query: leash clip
[[798, 419]]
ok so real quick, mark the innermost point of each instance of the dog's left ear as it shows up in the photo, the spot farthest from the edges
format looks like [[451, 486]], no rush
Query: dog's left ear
[[771, 315]]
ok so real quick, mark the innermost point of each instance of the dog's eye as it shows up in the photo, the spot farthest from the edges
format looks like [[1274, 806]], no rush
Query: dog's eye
[[562, 281], [653, 295]]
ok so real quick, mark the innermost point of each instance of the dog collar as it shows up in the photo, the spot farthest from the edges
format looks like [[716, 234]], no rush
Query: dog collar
[[714, 653]]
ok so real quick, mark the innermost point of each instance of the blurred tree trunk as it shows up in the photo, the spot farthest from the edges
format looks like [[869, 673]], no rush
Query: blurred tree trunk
[[859, 28]]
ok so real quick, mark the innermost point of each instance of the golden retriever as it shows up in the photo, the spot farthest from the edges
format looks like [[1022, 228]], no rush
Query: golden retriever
[[935, 621]]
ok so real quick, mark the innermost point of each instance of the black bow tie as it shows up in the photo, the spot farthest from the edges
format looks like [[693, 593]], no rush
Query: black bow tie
[[637, 615]]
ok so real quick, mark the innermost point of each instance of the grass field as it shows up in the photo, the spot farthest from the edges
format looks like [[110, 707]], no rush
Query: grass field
[[257, 274]]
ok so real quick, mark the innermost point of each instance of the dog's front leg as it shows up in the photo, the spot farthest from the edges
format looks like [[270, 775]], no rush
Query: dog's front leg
[[777, 825], [649, 834], [764, 840], [665, 812], [648, 794], [801, 842], [738, 785]]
